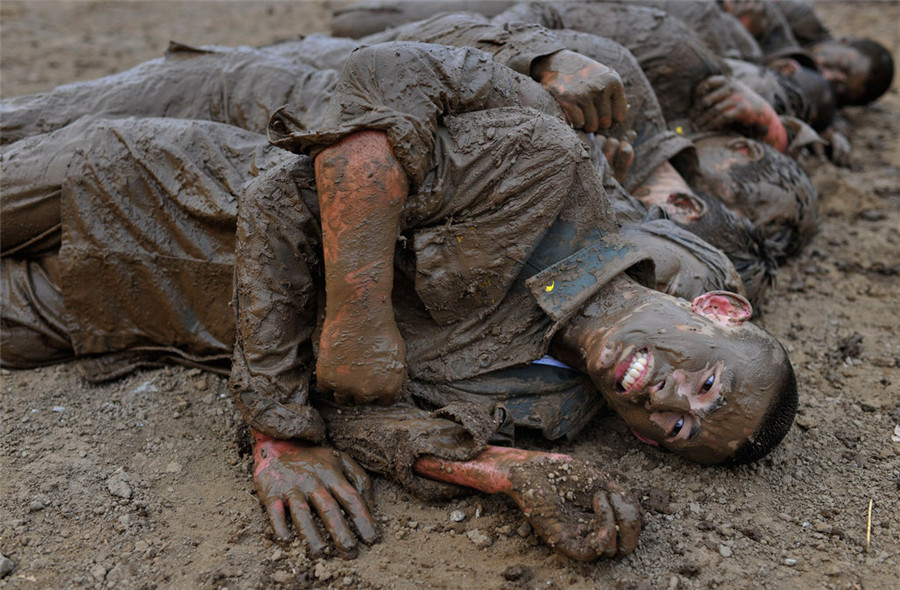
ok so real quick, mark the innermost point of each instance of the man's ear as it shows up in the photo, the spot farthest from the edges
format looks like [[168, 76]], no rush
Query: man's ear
[[723, 307], [688, 205]]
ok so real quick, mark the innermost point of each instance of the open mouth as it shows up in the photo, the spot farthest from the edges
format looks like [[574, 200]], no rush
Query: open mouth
[[632, 376]]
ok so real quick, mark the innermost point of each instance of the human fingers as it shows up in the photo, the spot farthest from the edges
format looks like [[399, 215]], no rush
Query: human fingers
[[275, 510], [358, 477], [710, 84], [601, 104], [606, 521], [623, 160], [306, 527], [628, 518], [330, 513], [610, 147], [717, 96], [619, 102], [575, 115], [592, 118], [355, 507]]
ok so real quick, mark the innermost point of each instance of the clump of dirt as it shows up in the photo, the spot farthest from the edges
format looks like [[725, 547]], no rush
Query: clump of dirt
[[145, 482]]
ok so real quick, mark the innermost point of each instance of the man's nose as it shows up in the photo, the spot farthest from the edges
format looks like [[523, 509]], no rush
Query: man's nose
[[667, 399]]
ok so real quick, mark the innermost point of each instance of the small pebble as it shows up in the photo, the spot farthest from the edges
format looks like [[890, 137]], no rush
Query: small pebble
[[517, 573], [457, 516], [724, 550], [524, 530], [99, 572], [479, 539], [789, 562], [6, 566], [321, 572]]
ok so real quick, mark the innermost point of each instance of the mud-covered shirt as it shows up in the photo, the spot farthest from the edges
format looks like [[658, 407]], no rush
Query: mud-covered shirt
[[506, 232], [671, 54]]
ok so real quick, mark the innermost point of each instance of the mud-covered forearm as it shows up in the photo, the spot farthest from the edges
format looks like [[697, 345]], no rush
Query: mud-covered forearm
[[362, 189], [488, 472]]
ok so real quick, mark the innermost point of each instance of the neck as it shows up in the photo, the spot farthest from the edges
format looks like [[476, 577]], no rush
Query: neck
[[591, 324]]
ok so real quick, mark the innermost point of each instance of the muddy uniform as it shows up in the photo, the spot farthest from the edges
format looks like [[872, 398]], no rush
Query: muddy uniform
[[805, 24], [504, 233], [670, 53], [243, 86], [654, 143], [723, 33]]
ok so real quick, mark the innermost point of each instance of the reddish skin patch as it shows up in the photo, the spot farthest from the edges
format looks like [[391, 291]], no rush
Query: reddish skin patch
[[362, 189], [591, 94], [297, 478], [727, 102], [572, 506], [723, 307]]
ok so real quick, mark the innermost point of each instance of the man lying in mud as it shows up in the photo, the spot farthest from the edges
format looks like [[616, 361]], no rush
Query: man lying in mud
[[453, 232], [783, 207], [859, 70]]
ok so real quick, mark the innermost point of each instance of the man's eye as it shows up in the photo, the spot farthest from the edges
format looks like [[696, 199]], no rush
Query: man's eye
[[678, 426], [709, 383]]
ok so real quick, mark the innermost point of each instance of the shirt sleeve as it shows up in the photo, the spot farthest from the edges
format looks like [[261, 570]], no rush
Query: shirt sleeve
[[277, 289], [405, 89]]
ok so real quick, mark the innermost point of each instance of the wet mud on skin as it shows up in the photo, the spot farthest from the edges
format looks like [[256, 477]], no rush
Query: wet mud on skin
[[145, 482]]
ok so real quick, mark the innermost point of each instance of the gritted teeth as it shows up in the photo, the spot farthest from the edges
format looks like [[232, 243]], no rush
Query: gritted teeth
[[635, 370]]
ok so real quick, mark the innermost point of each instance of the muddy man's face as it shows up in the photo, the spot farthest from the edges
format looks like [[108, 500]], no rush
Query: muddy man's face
[[694, 378], [845, 68]]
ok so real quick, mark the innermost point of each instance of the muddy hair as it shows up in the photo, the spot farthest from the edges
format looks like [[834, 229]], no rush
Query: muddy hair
[[799, 221], [740, 241], [881, 71], [776, 422]]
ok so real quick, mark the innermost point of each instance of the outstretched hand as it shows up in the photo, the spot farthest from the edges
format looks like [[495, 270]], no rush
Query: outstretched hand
[[591, 94], [573, 506], [293, 477]]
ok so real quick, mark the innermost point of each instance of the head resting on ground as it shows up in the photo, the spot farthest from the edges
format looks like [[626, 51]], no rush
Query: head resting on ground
[[757, 182], [859, 70], [696, 378], [736, 236]]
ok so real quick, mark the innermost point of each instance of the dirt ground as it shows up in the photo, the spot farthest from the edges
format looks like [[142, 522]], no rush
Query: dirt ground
[[145, 482]]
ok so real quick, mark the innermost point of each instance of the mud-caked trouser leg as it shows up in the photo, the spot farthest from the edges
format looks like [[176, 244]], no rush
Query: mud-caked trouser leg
[[148, 210], [278, 285], [32, 173], [238, 86]]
